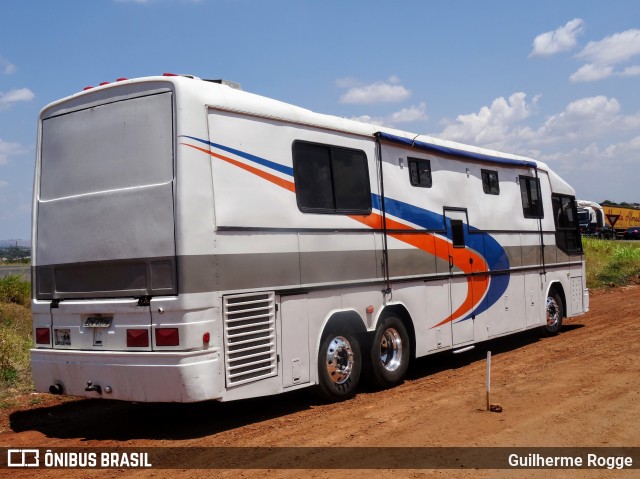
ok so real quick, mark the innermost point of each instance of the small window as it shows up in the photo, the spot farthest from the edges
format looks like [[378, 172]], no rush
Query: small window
[[420, 172], [565, 216], [331, 179], [490, 183], [531, 197], [457, 233]]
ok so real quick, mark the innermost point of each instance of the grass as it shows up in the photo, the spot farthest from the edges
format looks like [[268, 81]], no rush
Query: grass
[[609, 263], [16, 335], [15, 289]]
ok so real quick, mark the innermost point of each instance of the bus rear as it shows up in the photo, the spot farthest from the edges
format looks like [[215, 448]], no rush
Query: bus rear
[[105, 266]]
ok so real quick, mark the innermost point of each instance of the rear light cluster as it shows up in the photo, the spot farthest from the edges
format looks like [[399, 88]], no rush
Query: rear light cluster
[[136, 338], [167, 337], [43, 336], [139, 338]]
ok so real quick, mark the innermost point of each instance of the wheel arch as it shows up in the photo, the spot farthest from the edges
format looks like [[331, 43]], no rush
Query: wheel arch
[[558, 288], [400, 311], [342, 319]]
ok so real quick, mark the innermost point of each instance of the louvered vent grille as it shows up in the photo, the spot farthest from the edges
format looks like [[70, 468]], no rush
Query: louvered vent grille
[[250, 337]]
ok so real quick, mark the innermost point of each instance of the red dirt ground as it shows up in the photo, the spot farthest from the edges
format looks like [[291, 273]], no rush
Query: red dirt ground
[[579, 388]]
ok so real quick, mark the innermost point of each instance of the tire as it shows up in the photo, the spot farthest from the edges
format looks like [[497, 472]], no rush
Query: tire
[[339, 366], [554, 313], [389, 354]]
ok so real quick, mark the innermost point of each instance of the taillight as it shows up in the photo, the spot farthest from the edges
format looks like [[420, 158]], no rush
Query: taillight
[[137, 338], [43, 336], [167, 337]]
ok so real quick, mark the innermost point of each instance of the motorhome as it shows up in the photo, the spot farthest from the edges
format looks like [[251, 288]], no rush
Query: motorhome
[[193, 241]]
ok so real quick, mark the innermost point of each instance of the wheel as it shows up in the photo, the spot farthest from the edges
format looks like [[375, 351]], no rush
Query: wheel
[[339, 365], [389, 354], [555, 313]]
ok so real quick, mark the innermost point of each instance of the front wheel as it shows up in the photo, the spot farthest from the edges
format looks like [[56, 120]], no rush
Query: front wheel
[[339, 366], [555, 314], [389, 354]]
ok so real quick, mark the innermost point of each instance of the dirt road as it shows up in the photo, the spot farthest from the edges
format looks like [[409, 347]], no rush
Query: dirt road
[[580, 388]]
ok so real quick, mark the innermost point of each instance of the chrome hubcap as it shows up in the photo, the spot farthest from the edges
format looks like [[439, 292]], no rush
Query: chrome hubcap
[[553, 312], [391, 349], [339, 360]]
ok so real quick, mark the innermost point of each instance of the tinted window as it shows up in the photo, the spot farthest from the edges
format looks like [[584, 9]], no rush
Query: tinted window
[[531, 197], [490, 183], [457, 233], [420, 172], [565, 217], [331, 179]]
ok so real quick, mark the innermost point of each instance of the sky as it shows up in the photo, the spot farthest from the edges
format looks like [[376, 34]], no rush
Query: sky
[[557, 81]]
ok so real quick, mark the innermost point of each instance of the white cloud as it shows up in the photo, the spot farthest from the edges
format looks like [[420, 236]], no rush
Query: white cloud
[[409, 114], [379, 92], [8, 149], [492, 125], [6, 66], [614, 49], [604, 55], [631, 71], [406, 115], [591, 72], [582, 120], [12, 96], [560, 40]]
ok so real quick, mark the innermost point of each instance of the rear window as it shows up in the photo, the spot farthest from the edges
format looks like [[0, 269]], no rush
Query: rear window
[[108, 147]]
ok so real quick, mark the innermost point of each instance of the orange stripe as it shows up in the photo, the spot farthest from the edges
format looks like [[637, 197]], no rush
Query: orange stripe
[[288, 185]]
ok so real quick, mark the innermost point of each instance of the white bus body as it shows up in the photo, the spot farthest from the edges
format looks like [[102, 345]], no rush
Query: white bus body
[[193, 241]]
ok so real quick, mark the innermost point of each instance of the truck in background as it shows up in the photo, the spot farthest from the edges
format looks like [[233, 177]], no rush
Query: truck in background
[[592, 220], [621, 218]]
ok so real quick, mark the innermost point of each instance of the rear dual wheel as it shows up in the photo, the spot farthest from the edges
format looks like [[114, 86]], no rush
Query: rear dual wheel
[[389, 354]]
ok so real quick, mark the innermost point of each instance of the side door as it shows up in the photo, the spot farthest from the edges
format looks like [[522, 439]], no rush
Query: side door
[[460, 281]]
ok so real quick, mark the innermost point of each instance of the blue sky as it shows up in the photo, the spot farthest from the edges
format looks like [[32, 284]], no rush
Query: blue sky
[[557, 81]]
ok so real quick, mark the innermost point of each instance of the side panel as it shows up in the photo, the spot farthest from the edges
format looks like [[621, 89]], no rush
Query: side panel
[[295, 346]]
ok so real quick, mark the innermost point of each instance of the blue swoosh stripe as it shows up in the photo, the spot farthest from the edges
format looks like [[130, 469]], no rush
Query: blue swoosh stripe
[[256, 159]]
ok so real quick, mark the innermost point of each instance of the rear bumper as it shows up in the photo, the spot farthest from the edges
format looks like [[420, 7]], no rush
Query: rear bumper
[[140, 376]]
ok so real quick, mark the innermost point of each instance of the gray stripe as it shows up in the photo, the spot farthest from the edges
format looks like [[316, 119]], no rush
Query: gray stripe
[[229, 272], [106, 279]]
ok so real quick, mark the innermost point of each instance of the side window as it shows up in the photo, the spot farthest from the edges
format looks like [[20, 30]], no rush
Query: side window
[[420, 172], [490, 183], [331, 179], [531, 197], [565, 216], [457, 234]]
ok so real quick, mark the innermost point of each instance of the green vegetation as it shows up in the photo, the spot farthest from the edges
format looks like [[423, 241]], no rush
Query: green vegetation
[[15, 289], [16, 336], [611, 263]]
